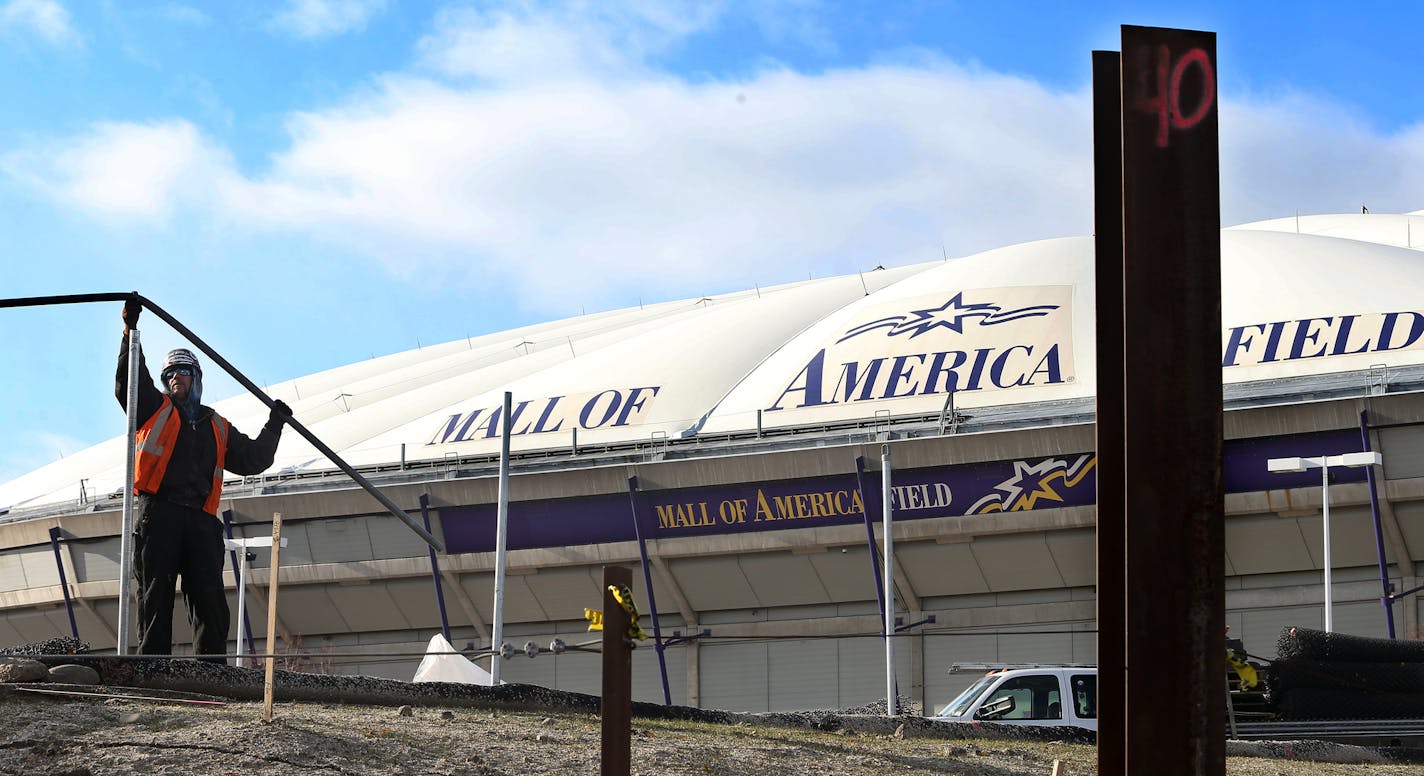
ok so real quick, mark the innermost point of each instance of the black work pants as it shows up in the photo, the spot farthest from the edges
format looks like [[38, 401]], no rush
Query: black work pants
[[172, 541]]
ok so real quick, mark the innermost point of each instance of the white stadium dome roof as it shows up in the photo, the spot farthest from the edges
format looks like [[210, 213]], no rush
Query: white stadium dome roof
[[1301, 296]]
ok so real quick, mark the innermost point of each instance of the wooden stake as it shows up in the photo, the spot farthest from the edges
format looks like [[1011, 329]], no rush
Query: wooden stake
[[1060, 768], [617, 703], [272, 617]]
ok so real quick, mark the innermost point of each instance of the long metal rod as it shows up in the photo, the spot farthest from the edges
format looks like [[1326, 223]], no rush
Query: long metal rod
[[244, 630], [37, 301], [435, 569], [1325, 514], [888, 570], [63, 581], [126, 544], [648, 583], [870, 537], [1386, 589], [501, 536], [244, 625]]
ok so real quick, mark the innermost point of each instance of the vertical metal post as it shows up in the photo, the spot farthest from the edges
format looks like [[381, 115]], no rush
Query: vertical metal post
[[1107, 279], [434, 566], [1386, 589], [648, 584], [888, 575], [870, 539], [1325, 540], [244, 632], [63, 581], [617, 704], [1175, 532], [126, 546], [501, 535], [244, 622]]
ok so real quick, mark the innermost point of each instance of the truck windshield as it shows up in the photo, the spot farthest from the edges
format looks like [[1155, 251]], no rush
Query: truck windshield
[[965, 700]]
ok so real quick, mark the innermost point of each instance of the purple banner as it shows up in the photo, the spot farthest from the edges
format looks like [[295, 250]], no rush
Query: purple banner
[[963, 490]]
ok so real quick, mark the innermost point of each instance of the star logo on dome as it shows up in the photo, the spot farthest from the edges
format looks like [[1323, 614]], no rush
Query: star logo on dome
[[951, 315]]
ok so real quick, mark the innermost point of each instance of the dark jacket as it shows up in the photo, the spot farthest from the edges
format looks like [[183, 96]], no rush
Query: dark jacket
[[190, 471]]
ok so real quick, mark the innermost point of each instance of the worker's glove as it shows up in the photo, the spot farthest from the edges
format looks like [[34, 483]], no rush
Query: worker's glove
[[131, 310], [280, 412]]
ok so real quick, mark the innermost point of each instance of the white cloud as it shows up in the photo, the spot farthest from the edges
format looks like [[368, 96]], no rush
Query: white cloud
[[513, 42], [45, 18], [127, 172], [1295, 153], [601, 178], [324, 18]]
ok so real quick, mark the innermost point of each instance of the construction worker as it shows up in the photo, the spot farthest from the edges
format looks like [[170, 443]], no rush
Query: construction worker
[[181, 450]]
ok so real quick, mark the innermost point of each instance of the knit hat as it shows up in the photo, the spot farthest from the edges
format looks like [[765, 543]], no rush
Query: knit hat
[[180, 357]]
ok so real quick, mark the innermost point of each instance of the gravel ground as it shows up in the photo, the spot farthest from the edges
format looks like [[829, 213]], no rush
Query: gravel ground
[[201, 718], [49, 736]]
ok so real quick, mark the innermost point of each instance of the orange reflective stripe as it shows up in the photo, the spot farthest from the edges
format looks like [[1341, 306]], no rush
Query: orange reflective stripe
[[215, 495], [153, 446], [156, 445]]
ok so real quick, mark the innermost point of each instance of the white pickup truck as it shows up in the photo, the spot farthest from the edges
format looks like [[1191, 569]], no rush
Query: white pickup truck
[[1040, 696]]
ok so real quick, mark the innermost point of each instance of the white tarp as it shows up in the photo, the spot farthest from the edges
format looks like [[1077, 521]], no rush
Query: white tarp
[[442, 664]]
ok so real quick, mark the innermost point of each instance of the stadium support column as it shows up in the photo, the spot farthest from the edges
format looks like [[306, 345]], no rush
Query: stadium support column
[[1174, 531]]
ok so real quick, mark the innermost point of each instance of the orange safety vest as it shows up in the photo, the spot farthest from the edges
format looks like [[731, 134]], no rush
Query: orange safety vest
[[153, 448]]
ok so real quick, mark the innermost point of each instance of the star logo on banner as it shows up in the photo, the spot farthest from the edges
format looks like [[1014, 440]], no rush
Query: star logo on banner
[[1032, 483]]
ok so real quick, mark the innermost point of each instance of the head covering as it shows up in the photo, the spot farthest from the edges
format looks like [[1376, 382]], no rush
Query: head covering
[[181, 357], [184, 357]]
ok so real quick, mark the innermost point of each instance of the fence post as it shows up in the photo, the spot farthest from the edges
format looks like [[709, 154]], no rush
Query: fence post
[[617, 707]]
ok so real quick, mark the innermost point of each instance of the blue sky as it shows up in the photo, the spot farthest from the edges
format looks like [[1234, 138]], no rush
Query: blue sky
[[308, 183]]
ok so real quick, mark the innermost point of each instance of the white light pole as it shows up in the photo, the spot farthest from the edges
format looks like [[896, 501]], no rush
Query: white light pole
[[242, 547], [888, 572], [1323, 463]]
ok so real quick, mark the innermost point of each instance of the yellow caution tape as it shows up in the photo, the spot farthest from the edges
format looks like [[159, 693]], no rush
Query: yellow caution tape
[[624, 596], [1245, 670]]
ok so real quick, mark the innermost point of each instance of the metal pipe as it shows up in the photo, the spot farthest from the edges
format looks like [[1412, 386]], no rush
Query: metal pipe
[[648, 583], [240, 579], [244, 628], [1325, 514], [501, 535], [434, 565], [126, 544], [870, 536], [63, 581], [240, 378], [888, 575], [1387, 591]]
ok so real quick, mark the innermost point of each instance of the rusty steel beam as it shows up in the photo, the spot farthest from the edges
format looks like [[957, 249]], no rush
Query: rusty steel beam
[[1107, 279], [1175, 536]]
